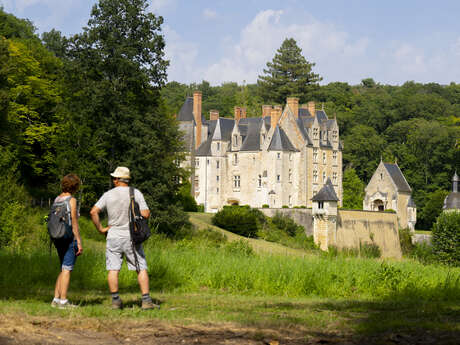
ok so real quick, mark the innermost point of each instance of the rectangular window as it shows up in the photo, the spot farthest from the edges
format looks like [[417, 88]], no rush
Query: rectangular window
[[278, 178], [218, 146], [315, 176], [334, 177], [217, 190], [236, 181], [197, 162], [259, 181], [278, 155], [235, 159], [197, 183], [321, 204], [315, 155], [324, 157], [217, 164], [315, 133], [324, 176], [290, 175], [334, 156], [217, 178]]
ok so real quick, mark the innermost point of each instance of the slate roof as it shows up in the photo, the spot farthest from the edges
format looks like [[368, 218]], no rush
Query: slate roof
[[411, 203], [186, 112], [321, 116], [304, 112], [397, 177], [327, 193], [252, 139], [280, 141], [452, 201]]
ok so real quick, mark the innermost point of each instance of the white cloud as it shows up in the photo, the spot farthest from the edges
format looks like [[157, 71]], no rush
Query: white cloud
[[160, 5], [209, 14], [259, 40]]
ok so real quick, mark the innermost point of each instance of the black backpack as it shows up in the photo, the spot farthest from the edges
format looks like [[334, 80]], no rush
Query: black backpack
[[138, 225], [59, 220]]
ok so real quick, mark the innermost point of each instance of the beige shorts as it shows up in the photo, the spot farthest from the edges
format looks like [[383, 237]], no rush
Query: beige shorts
[[116, 248]]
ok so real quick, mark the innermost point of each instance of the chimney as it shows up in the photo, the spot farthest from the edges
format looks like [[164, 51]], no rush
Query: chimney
[[213, 115], [276, 114], [197, 115], [266, 110], [293, 104], [243, 113], [237, 112], [311, 108]]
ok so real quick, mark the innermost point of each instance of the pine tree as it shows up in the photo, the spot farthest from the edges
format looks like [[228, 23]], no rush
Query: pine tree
[[289, 74]]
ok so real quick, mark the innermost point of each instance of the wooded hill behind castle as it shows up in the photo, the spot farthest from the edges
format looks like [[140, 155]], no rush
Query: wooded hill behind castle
[[93, 101]]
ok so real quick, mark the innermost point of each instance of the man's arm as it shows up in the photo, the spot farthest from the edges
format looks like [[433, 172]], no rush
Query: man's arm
[[97, 221]]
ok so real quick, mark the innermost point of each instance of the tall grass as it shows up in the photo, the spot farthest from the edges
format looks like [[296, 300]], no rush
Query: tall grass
[[212, 264]]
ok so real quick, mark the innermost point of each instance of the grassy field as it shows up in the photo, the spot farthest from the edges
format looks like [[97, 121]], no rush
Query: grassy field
[[209, 281]]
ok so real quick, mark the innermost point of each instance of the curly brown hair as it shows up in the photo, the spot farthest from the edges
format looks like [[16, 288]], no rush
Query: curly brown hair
[[70, 183]]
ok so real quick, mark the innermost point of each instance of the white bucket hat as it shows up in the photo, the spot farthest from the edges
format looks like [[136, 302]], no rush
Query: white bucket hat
[[121, 172]]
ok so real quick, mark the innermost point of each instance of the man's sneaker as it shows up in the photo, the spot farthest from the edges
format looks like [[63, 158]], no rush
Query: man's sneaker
[[117, 304], [146, 305], [66, 305]]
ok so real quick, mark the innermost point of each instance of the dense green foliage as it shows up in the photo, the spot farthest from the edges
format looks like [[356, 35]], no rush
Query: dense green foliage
[[353, 190], [446, 238], [241, 220], [288, 75], [89, 103]]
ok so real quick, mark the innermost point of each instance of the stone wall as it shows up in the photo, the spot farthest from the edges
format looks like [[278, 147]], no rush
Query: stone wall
[[355, 227], [301, 216]]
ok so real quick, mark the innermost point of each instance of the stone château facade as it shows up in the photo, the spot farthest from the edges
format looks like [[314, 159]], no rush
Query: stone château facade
[[388, 189], [281, 158]]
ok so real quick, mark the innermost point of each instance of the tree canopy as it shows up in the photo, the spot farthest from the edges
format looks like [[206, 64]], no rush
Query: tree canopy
[[288, 74]]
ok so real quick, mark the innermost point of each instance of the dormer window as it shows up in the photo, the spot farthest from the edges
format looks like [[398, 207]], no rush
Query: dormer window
[[334, 156], [315, 155], [217, 165], [320, 204], [324, 157], [315, 133], [278, 155], [334, 135], [218, 146], [235, 139], [235, 159]]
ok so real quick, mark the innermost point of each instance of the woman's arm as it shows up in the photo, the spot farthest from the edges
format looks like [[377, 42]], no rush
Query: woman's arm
[[75, 228]]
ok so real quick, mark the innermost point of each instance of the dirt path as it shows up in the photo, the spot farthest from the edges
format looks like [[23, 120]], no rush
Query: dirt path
[[28, 330]]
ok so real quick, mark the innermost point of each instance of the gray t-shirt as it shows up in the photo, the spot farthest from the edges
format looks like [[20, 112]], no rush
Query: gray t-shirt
[[116, 202]]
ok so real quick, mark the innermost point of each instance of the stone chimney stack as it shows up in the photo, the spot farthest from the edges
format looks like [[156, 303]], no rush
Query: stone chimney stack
[[266, 110], [243, 113], [293, 104], [276, 114], [197, 116], [311, 108], [237, 112], [213, 115]]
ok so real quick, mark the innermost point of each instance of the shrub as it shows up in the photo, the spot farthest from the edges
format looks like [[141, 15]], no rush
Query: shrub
[[389, 210], [446, 238], [286, 224], [186, 199], [265, 206], [241, 220], [285, 206], [200, 208], [423, 252], [405, 240], [240, 248], [369, 250]]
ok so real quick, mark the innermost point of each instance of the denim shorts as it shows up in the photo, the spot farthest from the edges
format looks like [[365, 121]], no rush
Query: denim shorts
[[66, 250], [116, 248]]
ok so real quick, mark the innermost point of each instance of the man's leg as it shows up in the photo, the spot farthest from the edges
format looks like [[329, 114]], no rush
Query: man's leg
[[112, 279], [143, 279]]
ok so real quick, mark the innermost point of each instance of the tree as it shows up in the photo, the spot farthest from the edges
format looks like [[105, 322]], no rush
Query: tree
[[353, 190], [431, 209], [289, 74], [114, 113], [446, 238]]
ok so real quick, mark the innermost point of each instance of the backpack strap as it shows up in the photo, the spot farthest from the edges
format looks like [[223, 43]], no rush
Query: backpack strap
[[131, 217]]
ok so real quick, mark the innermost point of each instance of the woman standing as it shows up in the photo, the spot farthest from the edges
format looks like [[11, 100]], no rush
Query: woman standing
[[67, 248]]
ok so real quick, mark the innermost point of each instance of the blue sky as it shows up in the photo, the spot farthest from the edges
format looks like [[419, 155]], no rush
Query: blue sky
[[232, 40]]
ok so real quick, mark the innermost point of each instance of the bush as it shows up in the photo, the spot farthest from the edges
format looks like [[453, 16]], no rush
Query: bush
[[186, 199], [241, 220], [369, 250], [286, 224], [265, 206], [423, 252], [446, 238], [389, 210], [405, 240], [285, 206], [200, 208]]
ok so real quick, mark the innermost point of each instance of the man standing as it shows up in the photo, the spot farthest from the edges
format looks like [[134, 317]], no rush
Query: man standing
[[116, 201]]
